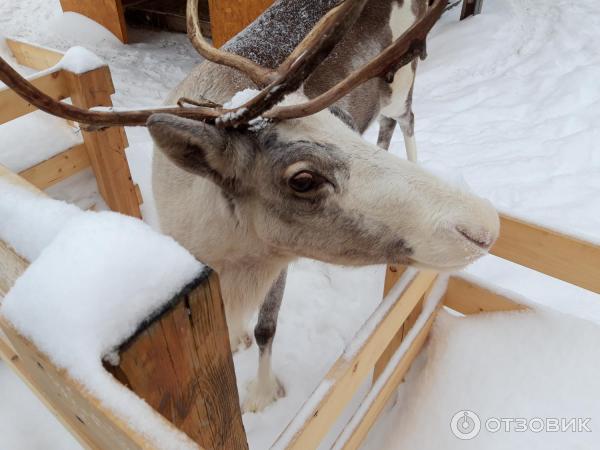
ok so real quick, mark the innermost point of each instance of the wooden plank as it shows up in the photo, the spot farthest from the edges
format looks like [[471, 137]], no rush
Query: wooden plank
[[13, 178], [33, 56], [229, 17], [106, 148], [181, 364], [12, 106], [390, 386], [393, 274], [470, 8], [347, 374], [108, 13], [470, 298], [11, 267], [57, 168], [564, 257]]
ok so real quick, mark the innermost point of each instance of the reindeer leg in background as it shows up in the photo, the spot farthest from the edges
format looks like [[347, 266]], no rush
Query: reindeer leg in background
[[407, 125], [387, 126], [266, 388]]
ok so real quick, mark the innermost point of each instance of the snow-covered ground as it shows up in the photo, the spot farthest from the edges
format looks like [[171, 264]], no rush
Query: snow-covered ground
[[510, 100]]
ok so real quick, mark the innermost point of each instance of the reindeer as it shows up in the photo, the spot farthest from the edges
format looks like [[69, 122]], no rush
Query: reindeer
[[250, 188]]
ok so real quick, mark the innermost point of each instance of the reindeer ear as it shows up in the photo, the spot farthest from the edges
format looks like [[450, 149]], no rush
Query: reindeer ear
[[194, 146]]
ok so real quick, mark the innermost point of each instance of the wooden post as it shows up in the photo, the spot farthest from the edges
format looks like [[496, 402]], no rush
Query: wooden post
[[181, 364], [470, 8], [229, 17], [108, 13], [106, 148]]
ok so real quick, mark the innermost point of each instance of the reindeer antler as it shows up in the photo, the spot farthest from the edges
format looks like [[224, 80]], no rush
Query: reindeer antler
[[275, 84]]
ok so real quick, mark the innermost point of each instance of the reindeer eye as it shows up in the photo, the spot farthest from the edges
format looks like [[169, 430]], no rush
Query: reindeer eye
[[305, 181]]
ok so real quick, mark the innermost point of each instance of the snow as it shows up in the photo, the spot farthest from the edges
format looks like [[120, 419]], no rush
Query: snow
[[16, 433], [45, 135], [507, 101], [241, 98], [30, 222], [101, 277], [80, 60], [527, 365]]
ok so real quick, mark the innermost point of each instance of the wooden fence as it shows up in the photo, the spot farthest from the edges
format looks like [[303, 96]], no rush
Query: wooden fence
[[103, 150]]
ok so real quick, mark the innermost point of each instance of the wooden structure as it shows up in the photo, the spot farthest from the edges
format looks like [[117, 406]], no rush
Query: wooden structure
[[225, 20], [229, 17], [470, 8], [186, 372], [103, 150]]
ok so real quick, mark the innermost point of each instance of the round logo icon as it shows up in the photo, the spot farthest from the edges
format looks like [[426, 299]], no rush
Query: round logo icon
[[465, 425]]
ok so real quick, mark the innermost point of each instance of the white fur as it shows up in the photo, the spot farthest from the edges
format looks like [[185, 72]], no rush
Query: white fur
[[401, 18]]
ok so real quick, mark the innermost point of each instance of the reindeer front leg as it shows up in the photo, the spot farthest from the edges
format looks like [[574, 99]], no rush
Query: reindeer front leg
[[266, 388]]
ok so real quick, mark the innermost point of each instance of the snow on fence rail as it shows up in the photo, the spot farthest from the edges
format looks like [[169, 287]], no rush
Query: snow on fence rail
[[199, 383], [82, 77]]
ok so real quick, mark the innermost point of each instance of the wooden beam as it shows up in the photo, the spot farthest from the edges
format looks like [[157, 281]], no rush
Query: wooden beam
[[106, 148], [348, 373], [470, 298], [181, 364], [12, 106], [393, 273], [229, 17], [108, 13], [33, 56], [470, 8], [397, 340], [564, 257], [390, 386], [57, 168]]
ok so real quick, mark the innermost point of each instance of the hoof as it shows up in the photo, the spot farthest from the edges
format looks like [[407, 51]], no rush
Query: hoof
[[240, 342], [260, 395]]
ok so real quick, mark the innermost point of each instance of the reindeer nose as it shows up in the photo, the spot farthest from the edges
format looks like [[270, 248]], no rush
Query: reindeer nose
[[481, 237]]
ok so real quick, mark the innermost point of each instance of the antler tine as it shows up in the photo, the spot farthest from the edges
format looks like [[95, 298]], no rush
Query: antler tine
[[257, 73], [97, 119], [313, 49], [401, 52]]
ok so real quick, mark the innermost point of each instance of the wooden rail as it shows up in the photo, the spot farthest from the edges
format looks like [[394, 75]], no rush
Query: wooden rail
[[349, 372], [556, 254]]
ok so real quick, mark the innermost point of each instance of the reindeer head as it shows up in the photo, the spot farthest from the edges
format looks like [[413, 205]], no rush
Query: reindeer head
[[305, 182], [313, 187]]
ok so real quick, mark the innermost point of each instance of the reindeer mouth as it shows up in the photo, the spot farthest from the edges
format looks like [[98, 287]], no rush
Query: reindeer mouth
[[482, 240]]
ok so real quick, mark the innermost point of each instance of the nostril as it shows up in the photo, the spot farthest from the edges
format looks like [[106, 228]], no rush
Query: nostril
[[481, 239]]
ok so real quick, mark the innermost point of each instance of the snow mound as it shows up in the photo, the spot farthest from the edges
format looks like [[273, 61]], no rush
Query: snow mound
[[75, 27], [30, 222], [80, 60], [101, 277], [34, 138], [528, 365]]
